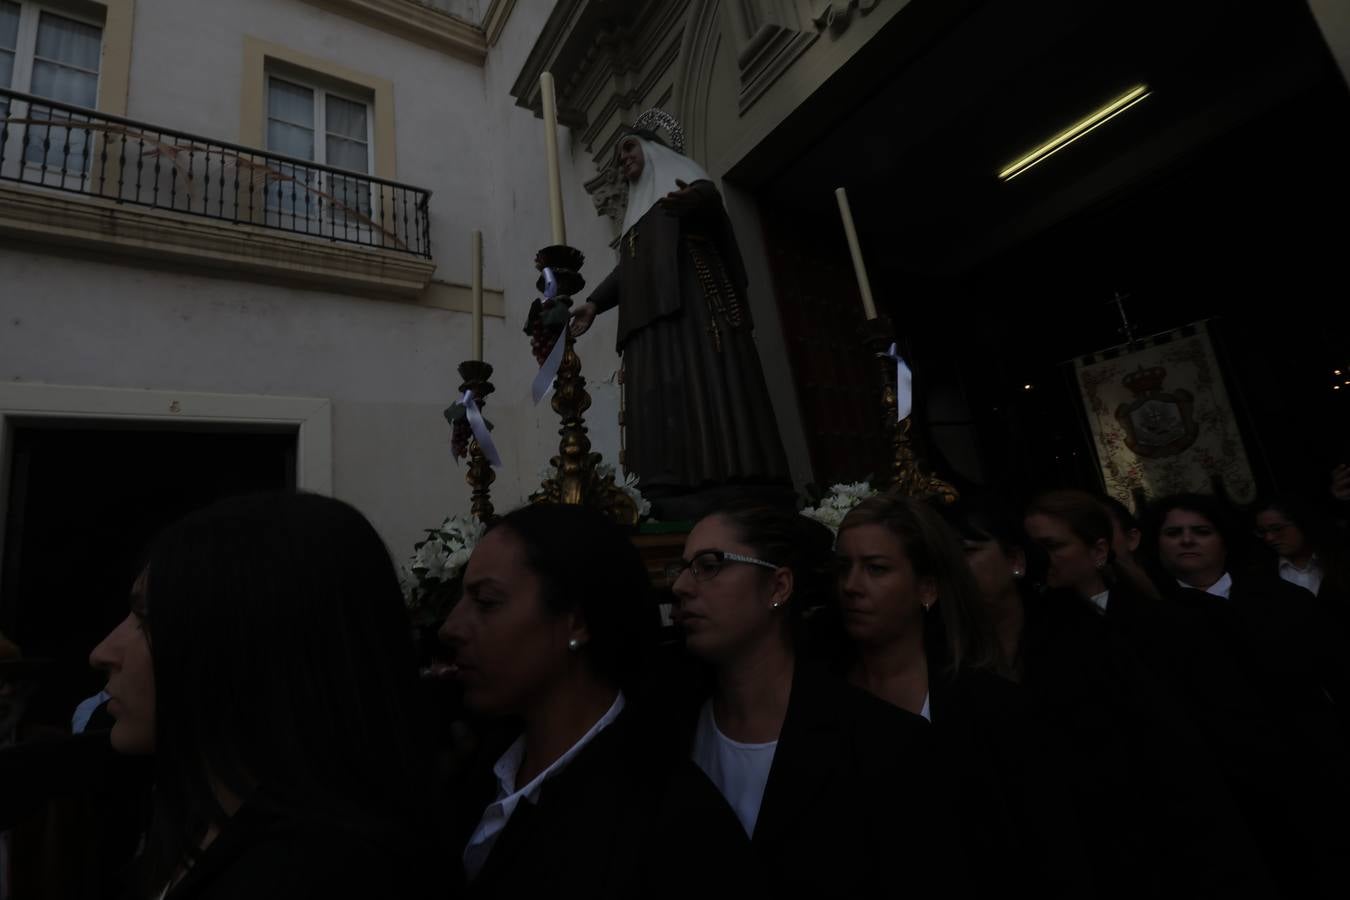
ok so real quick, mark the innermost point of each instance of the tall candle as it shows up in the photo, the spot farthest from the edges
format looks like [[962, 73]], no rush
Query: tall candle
[[865, 286], [555, 205], [477, 282]]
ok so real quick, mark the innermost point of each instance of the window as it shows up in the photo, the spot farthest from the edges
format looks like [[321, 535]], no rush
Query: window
[[315, 123], [53, 55]]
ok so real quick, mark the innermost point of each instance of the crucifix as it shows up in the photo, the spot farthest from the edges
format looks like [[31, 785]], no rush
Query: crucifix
[[1126, 326]]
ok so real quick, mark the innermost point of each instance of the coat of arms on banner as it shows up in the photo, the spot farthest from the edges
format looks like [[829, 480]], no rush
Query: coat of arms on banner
[[1156, 423], [1162, 421]]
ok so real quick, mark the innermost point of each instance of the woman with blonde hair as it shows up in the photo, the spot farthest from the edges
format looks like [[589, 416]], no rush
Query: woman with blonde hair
[[920, 639]]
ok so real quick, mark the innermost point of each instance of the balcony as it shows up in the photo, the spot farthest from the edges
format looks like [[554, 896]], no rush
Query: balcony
[[76, 176]]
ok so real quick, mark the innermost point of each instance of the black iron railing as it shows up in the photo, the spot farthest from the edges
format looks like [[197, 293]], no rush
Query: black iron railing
[[83, 151]]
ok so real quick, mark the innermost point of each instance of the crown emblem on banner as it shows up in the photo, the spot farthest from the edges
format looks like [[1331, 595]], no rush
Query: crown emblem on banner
[[1145, 381]]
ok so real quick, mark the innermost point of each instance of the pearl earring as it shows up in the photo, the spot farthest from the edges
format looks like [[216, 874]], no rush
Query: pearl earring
[[1017, 573], [574, 645]]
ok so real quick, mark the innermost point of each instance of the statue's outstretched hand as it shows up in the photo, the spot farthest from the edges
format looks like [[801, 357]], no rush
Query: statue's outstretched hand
[[681, 201], [582, 318]]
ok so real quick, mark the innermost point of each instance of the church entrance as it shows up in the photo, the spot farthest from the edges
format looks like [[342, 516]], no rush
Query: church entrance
[[1211, 207]]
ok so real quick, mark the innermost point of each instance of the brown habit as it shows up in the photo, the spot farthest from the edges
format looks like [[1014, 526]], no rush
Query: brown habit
[[697, 409]]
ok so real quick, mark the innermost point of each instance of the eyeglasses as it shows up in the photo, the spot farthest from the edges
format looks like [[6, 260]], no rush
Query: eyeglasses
[[1263, 530], [706, 565]]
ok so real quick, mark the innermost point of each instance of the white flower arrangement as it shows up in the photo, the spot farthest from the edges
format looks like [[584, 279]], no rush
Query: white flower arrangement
[[629, 485], [433, 570], [837, 502]]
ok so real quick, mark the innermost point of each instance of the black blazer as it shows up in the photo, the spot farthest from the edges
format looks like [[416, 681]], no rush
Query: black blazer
[[1291, 655], [1157, 815], [625, 818], [856, 799], [1287, 624], [260, 856], [1287, 759], [1017, 821]]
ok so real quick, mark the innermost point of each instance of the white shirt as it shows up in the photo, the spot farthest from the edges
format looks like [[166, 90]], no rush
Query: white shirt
[[925, 712], [1310, 578], [1221, 588], [499, 812], [740, 771], [1100, 600]]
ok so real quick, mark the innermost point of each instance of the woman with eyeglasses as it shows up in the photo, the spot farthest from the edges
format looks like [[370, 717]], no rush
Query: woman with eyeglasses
[[1311, 552], [835, 789]]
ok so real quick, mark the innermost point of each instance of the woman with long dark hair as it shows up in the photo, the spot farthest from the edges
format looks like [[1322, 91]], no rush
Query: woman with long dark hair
[[267, 664], [552, 637]]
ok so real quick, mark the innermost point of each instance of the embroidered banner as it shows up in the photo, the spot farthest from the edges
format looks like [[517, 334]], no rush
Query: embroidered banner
[[1162, 421]]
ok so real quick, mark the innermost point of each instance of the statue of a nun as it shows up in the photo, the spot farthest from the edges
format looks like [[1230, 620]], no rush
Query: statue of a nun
[[697, 410]]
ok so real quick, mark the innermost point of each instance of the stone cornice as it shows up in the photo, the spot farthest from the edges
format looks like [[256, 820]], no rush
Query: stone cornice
[[424, 25], [494, 20]]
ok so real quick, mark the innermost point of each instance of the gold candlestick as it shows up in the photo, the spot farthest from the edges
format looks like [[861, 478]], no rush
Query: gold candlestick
[[479, 472], [903, 473], [575, 480]]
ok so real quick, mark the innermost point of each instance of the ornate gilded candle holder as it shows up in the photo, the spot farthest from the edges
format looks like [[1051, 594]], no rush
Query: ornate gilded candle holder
[[903, 473], [575, 480]]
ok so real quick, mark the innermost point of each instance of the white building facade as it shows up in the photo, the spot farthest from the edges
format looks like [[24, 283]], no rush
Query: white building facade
[[229, 288]]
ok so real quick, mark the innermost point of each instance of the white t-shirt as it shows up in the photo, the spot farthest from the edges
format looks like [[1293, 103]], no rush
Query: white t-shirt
[[740, 771], [509, 796]]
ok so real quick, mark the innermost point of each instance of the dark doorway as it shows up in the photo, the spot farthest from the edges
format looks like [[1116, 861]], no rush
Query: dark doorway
[[84, 502], [1217, 199]]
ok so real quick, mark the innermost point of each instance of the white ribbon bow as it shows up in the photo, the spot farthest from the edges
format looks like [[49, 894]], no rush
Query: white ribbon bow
[[478, 426], [904, 385], [549, 370]]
